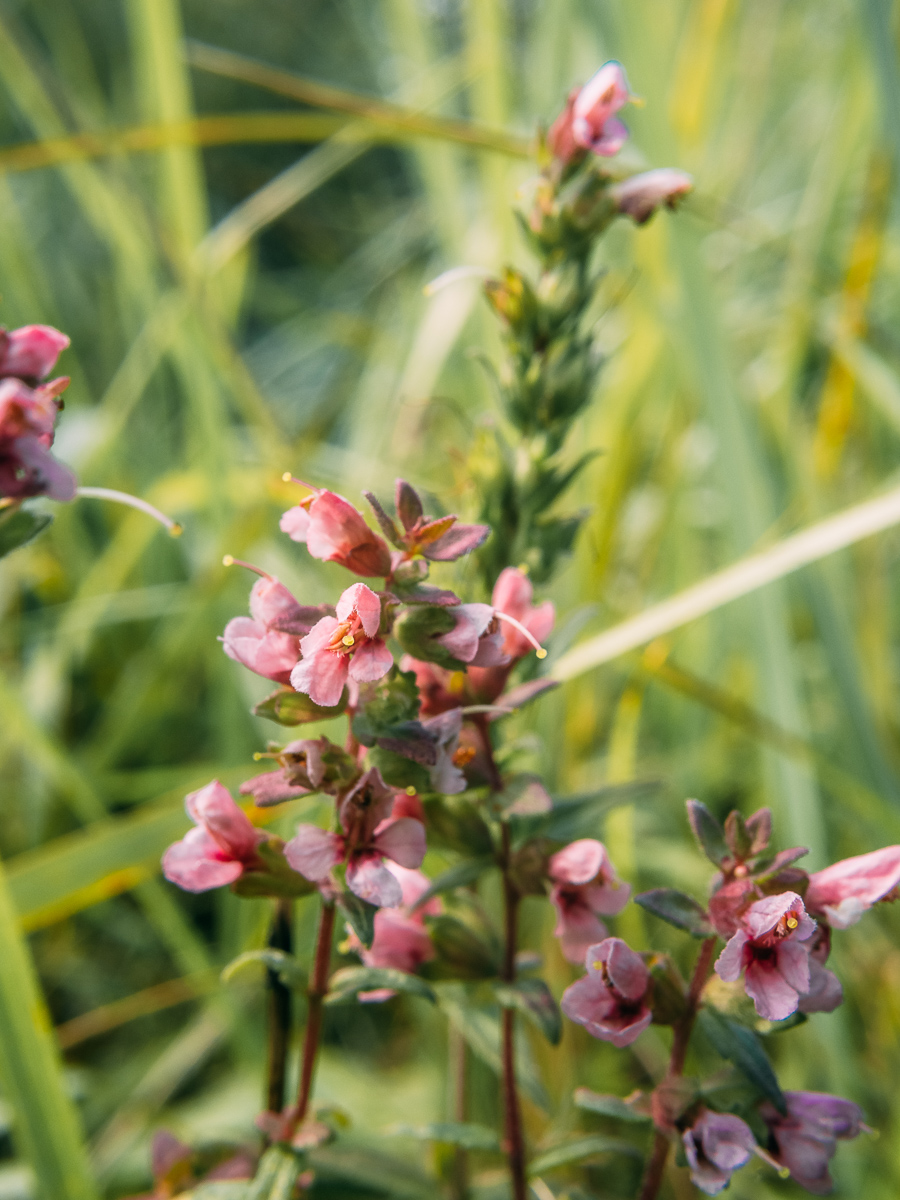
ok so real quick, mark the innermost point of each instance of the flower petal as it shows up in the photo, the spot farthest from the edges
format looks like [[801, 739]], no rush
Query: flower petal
[[371, 661], [772, 995], [192, 865], [402, 840], [730, 962], [313, 852], [370, 879]]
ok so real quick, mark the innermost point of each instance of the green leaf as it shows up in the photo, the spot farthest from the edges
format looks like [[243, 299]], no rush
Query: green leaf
[[47, 1130], [462, 950], [18, 527], [285, 966], [579, 1150], [276, 1176], [574, 817], [452, 1133], [608, 1106], [679, 909], [459, 875], [288, 707], [478, 1021], [418, 629], [742, 1047], [393, 701], [350, 1169], [708, 832], [399, 771], [345, 984], [535, 1000], [225, 1189], [359, 915], [455, 822]]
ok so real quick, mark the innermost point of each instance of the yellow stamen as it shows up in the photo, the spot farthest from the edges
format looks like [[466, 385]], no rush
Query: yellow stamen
[[286, 477], [410, 791], [227, 560], [540, 653], [347, 639], [792, 922]]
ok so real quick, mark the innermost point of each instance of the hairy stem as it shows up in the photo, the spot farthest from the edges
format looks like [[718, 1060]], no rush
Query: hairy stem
[[318, 986], [656, 1166], [280, 938]]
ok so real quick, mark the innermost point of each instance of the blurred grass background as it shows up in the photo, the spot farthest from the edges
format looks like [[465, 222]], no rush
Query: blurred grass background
[[250, 306]]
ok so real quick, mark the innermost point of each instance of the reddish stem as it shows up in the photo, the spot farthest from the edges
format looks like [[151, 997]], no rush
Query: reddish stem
[[653, 1176], [318, 986], [459, 1177]]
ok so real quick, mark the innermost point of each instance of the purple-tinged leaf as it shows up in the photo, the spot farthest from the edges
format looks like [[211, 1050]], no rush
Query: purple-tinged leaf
[[708, 832], [407, 502], [388, 528], [459, 540], [679, 909]]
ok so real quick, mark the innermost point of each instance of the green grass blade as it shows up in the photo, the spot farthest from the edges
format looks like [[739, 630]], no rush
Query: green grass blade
[[47, 1125]]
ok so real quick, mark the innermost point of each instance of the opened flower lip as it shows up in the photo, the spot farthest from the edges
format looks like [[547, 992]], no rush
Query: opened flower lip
[[640, 196], [370, 834], [715, 1146], [476, 638], [335, 531], [611, 1000], [31, 351], [512, 595], [346, 646], [220, 847], [27, 418], [585, 887], [593, 124], [769, 950], [807, 1135], [841, 893]]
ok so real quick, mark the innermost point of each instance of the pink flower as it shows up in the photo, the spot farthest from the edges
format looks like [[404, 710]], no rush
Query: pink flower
[[30, 352], [344, 646], [370, 834], [807, 1136], [445, 774], [611, 1000], [768, 949], [476, 638], [841, 893], [268, 641], [336, 532], [27, 417], [585, 886], [512, 595], [640, 196], [401, 941], [825, 993], [715, 1146], [587, 123], [221, 846]]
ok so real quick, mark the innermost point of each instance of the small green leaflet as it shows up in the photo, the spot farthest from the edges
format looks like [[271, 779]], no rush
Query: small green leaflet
[[18, 528], [534, 999], [347, 982], [580, 1149], [742, 1047], [607, 1106], [452, 1133], [359, 915], [285, 966], [679, 909]]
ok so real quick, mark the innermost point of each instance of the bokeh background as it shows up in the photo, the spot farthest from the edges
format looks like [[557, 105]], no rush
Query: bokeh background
[[244, 294]]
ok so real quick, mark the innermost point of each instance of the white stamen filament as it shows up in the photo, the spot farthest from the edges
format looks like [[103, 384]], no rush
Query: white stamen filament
[[472, 710], [100, 493], [538, 648]]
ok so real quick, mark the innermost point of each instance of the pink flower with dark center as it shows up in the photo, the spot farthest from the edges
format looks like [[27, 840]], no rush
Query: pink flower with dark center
[[841, 893], [268, 641], [342, 647], [769, 950], [370, 834], [27, 417], [219, 849], [640, 196], [335, 531], [30, 352], [593, 125], [585, 887], [715, 1146], [511, 598], [611, 1000], [807, 1136]]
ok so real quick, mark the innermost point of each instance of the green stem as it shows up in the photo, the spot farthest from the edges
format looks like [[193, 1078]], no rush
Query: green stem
[[280, 938]]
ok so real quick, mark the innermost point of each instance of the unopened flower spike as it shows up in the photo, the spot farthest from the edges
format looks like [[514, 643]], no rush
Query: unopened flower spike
[[117, 497]]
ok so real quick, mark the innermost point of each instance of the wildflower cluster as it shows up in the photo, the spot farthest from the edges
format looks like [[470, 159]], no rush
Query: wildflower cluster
[[422, 679]]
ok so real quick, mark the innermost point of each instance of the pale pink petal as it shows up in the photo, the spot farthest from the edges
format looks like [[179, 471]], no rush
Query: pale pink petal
[[338, 533], [321, 677], [191, 864], [579, 862], [587, 1001], [371, 661], [213, 808], [641, 195], [414, 884], [825, 993], [49, 477], [361, 600], [512, 592], [792, 959], [369, 878], [270, 600], [625, 968], [319, 636], [313, 852], [295, 523], [846, 889], [402, 840], [763, 915], [730, 962], [609, 898], [772, 995], [400, 942], [577, 928], [457, 541], [727, 1140], [462, 640], [31, 351], [603, 94], [490, 652], [611, 139]]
